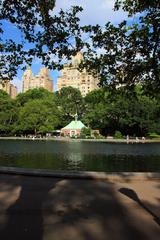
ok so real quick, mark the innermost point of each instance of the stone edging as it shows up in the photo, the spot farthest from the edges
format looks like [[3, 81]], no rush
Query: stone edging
[[131, 141], [80, 175]]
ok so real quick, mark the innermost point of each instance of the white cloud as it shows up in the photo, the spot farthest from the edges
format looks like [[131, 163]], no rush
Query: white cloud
[[94, 11]]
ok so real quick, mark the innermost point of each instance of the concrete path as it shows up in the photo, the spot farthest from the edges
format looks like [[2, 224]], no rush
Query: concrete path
[[37, 208]]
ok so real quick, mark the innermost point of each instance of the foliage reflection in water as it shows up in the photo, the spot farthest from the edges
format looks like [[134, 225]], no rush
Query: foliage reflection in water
[[82, 156]]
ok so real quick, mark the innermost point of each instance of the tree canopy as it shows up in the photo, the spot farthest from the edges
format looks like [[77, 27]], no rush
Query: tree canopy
[[38, 111], [122, 54], [38, 116], [129, 113], [128, 53], [32, 94], [70, 102], [42, 34], [8, 113]]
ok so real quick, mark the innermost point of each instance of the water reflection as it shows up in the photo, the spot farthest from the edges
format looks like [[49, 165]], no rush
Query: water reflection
[[88, 156]]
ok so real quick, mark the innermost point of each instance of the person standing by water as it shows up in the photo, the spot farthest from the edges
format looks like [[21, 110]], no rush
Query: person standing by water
[[143, 139]]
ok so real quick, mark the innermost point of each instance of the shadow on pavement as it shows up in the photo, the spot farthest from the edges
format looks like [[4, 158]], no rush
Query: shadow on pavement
[[25, 220], [59, 209], [132, 194]]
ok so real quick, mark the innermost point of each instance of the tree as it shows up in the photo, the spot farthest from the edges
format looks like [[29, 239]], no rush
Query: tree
[[36, 93], [95, 109], [147, 113], [85, 132], [70, 102], [38, 116], [130, 53], [40, 33], [128, 112], [8, 113]]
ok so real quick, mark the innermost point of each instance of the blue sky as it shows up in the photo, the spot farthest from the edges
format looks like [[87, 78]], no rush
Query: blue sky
[[95, 11]]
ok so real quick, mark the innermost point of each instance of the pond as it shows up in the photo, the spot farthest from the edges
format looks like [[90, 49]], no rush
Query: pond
[[80, 156]]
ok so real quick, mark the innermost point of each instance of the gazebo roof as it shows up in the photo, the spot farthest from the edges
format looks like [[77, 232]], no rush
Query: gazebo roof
[[76, 124]]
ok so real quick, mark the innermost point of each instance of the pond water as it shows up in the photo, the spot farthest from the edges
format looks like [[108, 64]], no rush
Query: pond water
[[80, 156]]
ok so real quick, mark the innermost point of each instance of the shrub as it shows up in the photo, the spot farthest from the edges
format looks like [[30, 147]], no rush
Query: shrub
[[153, 135], [82, 135], [99, 136], [118, 135], [86, 131], [62, 134], [96, 134], [73, 136]]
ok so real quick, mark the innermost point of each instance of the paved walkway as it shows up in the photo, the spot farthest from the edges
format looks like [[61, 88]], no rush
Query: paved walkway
[[36, 208]]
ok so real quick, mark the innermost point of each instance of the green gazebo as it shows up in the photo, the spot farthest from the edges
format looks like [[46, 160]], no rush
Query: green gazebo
[[73, 128]]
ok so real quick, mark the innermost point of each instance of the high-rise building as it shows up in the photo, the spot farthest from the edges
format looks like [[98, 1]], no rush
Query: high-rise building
[[71, 76], [13, 91], [27, 79], [41, 80], [9, 88]]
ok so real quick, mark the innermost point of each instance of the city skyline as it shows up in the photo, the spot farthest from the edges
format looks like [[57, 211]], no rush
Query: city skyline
[[68, 76], [101, 12]]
